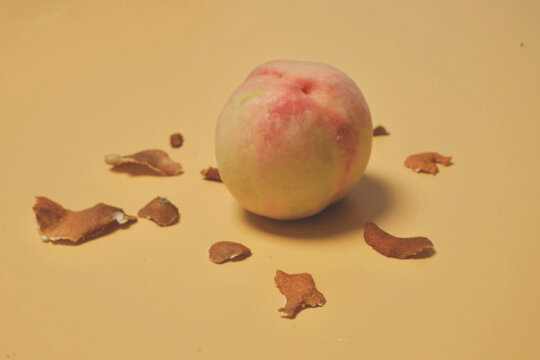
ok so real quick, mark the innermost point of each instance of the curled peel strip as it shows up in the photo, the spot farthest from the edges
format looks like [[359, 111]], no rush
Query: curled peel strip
[[211, 173], [223, 251], [157, 160], [427, 162], [161, 211], [392, 246], [57, 223], [380, 131], [300, 292]]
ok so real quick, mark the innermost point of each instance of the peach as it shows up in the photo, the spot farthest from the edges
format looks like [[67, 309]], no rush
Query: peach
[[294, 138]]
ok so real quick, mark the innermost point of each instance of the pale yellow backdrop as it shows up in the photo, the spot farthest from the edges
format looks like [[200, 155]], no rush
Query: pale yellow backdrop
[[82, 79]]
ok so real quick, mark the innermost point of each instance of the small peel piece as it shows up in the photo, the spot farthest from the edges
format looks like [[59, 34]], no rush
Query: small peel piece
[[380, 131], [299, 291], [161, 211], [157, 160], [427, 162], [223, 251], [211, 173], [394, 247], [57, 223], [176, 140]]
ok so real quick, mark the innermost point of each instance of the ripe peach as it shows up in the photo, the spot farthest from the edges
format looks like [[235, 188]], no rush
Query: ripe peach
[[293, 138]]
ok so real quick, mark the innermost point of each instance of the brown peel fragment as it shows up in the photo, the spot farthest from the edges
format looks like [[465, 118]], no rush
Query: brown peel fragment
[[176, 140], [157, 160], [394, 247], [211, 173], [223, 251], [426, 162], [299, 291], [161, 210], [56, 223], [380, 131]]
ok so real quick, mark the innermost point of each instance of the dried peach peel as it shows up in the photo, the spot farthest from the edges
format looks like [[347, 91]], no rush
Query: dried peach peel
[[211, 173], [380, 131], [157, 160], [176, 140], [394, 247], [299, 291], [56, 223], [161, 211], [427, 162], [223, 251]]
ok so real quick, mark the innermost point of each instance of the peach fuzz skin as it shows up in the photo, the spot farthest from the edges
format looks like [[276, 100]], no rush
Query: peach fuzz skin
[[294, 138]]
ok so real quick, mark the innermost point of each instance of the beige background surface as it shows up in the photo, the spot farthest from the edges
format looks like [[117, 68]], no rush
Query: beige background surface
[[81, 79]]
